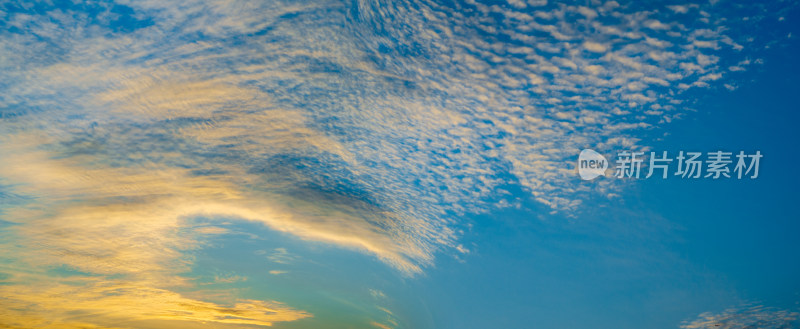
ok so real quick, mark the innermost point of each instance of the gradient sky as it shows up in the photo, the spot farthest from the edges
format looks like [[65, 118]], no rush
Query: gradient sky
[[394, 164]]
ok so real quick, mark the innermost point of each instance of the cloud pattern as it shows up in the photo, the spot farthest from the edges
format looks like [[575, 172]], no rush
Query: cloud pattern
[[371, 125]]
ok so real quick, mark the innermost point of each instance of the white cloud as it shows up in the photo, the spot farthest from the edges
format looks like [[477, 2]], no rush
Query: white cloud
[[594, 47], [587, 12], [517, 3], [656, 25], [679, 9]]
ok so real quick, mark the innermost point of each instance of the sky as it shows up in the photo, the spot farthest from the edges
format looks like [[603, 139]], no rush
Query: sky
[[395, 164]]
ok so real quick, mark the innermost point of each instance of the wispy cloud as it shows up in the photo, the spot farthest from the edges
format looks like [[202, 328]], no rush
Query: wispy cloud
[[83, 303], [752, 316]]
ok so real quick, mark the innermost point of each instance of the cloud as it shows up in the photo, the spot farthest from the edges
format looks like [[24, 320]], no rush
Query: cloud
[[212, 230], [229, 278], [656, 25], [588, 12], [679, 9], [594, 47], [380, 325], [751, 316], [102, 304], [150, 204], [517, 3], [281, 256], [369, 127]]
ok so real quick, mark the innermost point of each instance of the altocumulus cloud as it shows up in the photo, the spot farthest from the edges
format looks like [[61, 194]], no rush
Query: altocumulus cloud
[[364, 124]]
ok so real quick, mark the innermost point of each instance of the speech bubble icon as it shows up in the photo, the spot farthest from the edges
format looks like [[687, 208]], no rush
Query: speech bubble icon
[[591, 164]]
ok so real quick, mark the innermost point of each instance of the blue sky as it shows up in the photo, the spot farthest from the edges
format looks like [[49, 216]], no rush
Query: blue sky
[[394, 164]]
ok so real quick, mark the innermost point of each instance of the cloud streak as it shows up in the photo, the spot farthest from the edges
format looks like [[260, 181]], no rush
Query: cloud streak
[[752, 316]]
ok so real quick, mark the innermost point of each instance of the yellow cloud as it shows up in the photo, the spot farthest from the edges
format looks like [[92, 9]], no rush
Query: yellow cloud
[[380, 325], [125, 219], [104, 302]]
